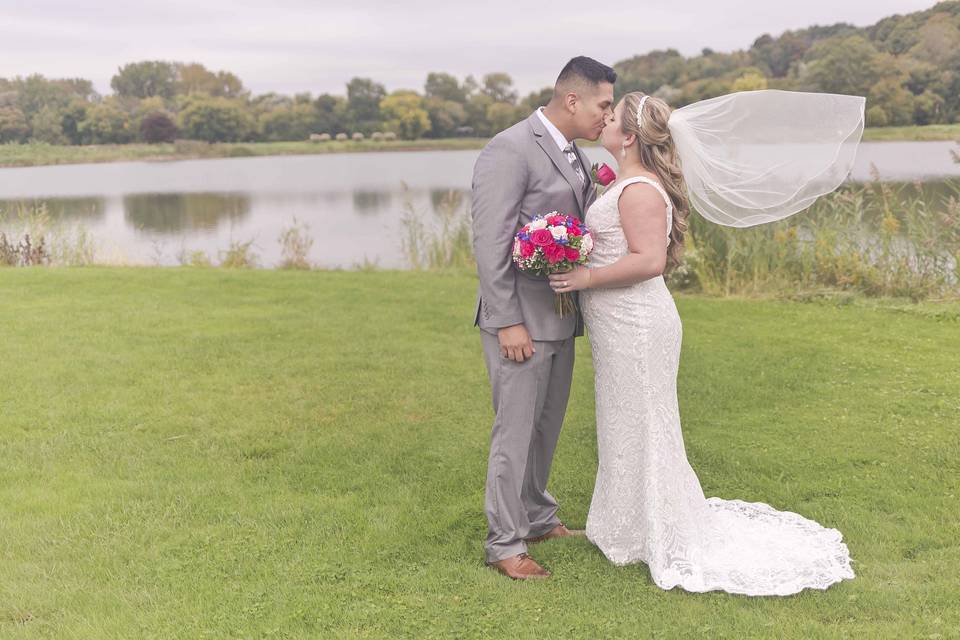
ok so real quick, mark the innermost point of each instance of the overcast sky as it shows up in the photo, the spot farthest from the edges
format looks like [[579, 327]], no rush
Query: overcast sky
[[290, 46]]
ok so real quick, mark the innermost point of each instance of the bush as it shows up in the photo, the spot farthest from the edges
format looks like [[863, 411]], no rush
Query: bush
[[341, 137], [296, 244], [158, 127], [240, 255], [357, 137], [216, 120]]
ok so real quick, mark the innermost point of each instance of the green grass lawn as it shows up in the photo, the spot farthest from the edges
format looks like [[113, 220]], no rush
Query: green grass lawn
[[25, 155], [216, 454]]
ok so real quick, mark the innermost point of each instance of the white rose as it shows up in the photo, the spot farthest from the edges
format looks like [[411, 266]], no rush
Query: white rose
[[586, 244], [559, 232], [538, 224]]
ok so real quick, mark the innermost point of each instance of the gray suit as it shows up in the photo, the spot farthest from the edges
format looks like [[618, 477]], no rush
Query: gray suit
[[520, 174]]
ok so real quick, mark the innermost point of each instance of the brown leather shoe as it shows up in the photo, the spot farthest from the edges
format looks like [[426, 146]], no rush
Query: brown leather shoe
[[559, 531], [520, 567]]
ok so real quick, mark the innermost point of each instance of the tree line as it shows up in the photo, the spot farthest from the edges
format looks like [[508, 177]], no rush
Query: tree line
[[908, 66]]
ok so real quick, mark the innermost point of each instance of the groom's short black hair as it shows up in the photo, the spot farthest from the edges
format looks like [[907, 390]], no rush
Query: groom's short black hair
[[586, 69]]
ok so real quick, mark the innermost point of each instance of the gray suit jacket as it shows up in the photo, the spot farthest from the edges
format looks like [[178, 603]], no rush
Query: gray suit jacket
[[519, 175]]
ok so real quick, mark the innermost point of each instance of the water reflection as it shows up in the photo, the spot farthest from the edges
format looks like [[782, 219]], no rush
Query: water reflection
[[365, 202], [443, 200], [172, 213], [84, 210]]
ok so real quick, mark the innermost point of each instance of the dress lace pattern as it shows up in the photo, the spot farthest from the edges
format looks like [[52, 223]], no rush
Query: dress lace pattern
[[647, 503]]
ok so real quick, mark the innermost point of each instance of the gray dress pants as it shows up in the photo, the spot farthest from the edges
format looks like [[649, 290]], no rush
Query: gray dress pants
[[529, 399]]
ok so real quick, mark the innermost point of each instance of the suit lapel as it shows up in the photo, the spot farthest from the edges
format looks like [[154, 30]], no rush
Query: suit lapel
[[545, 140]]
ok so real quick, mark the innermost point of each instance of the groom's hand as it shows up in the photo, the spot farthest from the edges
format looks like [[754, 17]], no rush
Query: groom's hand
[[515, 343]]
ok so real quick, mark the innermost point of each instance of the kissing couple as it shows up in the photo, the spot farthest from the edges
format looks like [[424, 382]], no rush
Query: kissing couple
[[737, 160]]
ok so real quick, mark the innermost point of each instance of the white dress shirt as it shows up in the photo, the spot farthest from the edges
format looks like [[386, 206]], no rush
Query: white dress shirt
[[566, 147], [558, 137]]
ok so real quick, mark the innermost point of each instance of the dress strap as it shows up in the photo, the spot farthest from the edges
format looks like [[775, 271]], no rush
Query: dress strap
[[656, 185]]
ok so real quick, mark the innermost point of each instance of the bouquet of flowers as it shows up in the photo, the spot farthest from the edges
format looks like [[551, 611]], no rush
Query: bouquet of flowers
[[550, 244], [601, 175]]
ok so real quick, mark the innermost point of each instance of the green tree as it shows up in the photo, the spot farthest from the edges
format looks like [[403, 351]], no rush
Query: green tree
[[146, 79], [499, 88], [895, 100], [937, 40], [476, 109], [331, 114], [650, 71], [502, 115], [35, 92], [444, 87], [877, 117], [46, 126], [848, 65], [216, 120], [295, 122], [363, 99], [404, 114], [749, 81], [929, 108], [778, 55], [157, 127], [13, 125], [194, 78], [537, 99], [71, 117], [446, 116], [106, 123]]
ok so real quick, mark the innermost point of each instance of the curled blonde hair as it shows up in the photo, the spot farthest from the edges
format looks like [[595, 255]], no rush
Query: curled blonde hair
[[659, 154]]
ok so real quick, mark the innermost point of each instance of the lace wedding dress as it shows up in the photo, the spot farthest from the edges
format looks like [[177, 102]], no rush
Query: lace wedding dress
[[647, 504]]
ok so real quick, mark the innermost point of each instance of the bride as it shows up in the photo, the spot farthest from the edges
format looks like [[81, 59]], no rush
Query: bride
[[647, 503]]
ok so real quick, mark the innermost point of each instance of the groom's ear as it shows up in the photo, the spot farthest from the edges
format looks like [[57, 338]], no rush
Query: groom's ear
[[571, 101]]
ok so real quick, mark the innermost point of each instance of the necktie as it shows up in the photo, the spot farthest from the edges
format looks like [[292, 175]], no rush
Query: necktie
[[574, 162]]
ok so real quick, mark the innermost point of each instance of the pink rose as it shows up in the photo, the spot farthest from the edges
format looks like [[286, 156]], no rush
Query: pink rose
[[556, 220], [541, 238], [572, 254], [527, 249], [605, 175], [574, 231], [554, 253]]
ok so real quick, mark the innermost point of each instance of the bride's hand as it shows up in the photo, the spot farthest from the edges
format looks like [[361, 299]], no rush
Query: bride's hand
[[575, 280]]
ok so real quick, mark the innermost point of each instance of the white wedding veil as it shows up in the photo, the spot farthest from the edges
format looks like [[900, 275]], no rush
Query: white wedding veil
[[760, 156]]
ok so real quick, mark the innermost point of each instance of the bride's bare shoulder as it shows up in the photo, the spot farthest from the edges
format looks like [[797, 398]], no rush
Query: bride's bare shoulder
[[641, 198]]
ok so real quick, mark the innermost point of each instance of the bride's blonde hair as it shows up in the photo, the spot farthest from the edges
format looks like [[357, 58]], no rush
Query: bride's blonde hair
[[658, 153]]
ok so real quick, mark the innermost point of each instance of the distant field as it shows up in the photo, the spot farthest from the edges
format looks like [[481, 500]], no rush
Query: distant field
[[28, 155]]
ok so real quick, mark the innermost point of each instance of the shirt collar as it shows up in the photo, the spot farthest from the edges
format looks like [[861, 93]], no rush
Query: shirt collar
[[558, 137]]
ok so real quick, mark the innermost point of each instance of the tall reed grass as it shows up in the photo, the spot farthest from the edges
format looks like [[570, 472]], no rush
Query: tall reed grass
[[441, 244], [29, 236], [877, 239]]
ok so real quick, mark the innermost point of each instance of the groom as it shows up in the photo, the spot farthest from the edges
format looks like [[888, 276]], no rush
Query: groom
[[533, 168]]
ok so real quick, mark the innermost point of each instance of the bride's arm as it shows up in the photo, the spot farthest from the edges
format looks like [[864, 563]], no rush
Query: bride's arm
[[643, 216]]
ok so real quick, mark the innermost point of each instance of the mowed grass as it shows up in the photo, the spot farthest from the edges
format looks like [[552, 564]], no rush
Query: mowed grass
[[219, 454]]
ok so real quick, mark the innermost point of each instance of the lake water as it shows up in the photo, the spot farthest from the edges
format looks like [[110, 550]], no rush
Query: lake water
[[154, 212]]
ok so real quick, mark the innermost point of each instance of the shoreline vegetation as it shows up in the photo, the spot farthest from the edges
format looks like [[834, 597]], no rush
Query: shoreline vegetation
[[878, 240], [41, 154]]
